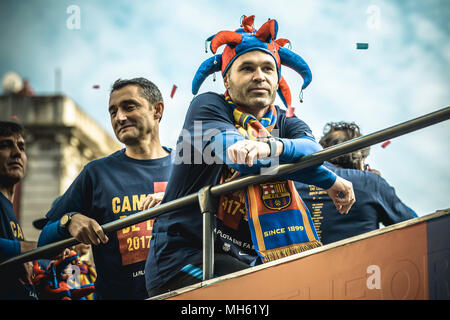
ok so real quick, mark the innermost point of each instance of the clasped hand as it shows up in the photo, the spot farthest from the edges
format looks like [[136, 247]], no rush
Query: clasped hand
[[249, 151]]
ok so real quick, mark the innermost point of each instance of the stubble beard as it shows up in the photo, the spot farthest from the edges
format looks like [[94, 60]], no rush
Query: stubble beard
[[10, 180], [257, 104], [135, 138]]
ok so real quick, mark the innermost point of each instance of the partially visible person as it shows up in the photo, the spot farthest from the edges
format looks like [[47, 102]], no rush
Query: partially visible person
[[60, 279], [79, 272], [115, 187], [376, 202], [15, 281], [86, 267], [84, 252]]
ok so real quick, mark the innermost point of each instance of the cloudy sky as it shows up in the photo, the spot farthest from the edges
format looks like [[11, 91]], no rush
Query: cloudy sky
[[405, 72]]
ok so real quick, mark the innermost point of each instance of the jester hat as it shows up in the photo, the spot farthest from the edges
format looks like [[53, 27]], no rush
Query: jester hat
[[246, 39]]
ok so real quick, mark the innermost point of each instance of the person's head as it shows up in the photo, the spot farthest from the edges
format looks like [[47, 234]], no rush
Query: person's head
[[252, 80], [13, 160], [246, 40], [338, 132], [135, 106]]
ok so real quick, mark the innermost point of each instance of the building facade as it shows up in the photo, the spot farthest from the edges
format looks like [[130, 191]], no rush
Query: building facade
[[60, 140]]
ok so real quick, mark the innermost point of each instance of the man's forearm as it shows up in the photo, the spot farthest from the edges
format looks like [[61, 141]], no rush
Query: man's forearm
[[294, 149], [9, 248], [52, 232], [319, 176], [289, 150]]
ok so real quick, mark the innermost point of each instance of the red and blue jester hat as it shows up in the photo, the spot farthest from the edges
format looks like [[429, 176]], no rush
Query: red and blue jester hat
[[246, 39]]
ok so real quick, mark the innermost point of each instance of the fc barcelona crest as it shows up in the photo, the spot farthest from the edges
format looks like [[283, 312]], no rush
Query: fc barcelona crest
[[275, 195]]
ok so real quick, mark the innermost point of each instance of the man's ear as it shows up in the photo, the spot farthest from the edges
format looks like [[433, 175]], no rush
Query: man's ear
[[158, 110], [226, 81]]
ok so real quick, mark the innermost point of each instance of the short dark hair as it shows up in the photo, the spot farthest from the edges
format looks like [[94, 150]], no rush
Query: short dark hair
[[148, 89], [9, 128], [338, 132]]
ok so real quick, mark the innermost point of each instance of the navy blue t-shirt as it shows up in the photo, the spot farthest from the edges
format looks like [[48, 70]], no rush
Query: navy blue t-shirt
[[376, 202], [177, 235], [10, 236], [106, 190]]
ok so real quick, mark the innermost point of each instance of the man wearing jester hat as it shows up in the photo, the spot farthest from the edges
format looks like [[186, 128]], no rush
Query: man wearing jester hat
[[244, 133]]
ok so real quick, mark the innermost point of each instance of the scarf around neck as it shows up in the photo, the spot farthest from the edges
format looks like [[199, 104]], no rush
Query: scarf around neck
[[279, 222]]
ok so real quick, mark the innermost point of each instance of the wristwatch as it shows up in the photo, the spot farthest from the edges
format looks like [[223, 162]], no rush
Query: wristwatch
[[272, 142], [66, 219]]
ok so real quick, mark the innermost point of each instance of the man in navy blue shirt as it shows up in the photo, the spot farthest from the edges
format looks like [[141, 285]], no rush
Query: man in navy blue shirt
[[114, 187], [224, 134], [376, 202], [16, 281]]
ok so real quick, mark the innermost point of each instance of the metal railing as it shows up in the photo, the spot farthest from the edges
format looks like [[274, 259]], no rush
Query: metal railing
[[207, 196]]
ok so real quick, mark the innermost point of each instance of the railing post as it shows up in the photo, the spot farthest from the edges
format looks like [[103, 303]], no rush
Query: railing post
[[208, 207]]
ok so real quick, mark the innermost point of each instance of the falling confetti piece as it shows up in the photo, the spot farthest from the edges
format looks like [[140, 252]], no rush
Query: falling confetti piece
[[362, 46], [15, 117], [96, 86], [290, 112], [174, 88], [385, 144]]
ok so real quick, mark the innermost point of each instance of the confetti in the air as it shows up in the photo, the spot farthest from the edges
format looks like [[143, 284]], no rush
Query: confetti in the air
[[362, 46], [174, 88], [385, 144], [290, 112]]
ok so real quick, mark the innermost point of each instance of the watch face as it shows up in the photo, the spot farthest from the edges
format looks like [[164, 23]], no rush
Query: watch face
[[64, 219]]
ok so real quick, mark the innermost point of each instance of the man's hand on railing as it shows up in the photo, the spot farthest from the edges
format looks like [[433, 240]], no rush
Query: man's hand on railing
[[86, 230], [248, 152], [152, 200], [342, 194]]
